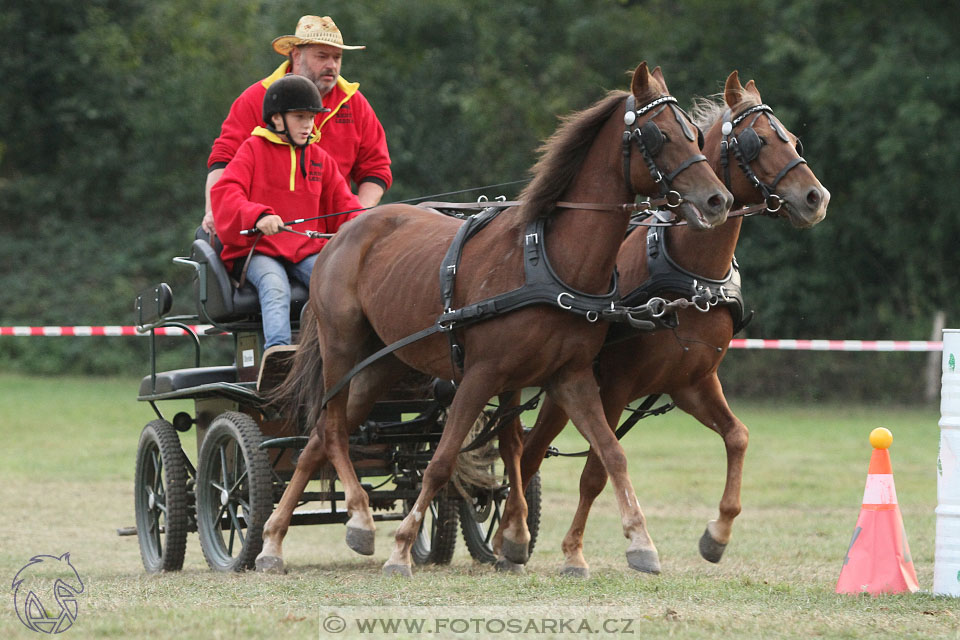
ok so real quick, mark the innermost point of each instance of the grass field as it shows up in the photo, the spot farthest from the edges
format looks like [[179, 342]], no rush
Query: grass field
[[66, 484]]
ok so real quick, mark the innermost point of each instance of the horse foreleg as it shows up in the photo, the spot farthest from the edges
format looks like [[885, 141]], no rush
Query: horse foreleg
[[577, 394], [511, 542], [707, 404], [270, 558], [360, 525], [467, 405]]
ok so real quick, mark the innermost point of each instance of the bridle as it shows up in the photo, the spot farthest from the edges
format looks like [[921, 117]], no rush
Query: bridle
[[649, 140], [746, 147]]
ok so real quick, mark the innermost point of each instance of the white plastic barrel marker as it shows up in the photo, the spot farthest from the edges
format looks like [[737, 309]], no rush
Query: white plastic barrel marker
[[946, 571]]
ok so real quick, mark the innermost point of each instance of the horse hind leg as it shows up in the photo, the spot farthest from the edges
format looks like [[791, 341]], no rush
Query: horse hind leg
[[511, 542], [593, 479], [467, 405], [708, 405], [270, 558]]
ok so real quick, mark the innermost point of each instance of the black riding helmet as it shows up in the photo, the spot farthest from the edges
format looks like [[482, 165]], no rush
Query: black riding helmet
[[291, 93]]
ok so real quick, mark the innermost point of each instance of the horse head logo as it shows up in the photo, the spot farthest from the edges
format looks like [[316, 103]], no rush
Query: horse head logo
[[45, 593]]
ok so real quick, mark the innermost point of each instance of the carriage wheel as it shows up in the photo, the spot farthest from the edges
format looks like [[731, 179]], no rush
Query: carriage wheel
[[480, 517], [234, 492], [437, 537], [160, 489]]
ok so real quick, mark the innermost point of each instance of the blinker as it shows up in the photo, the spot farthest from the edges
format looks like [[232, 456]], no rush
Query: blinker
[[652, 137]]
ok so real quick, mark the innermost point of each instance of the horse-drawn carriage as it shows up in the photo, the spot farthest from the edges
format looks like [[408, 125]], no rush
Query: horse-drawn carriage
[[378, 288], [246, 449]]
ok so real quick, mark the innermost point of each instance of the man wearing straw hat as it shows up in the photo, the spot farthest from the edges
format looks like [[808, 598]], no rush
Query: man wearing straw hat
[[348, 128]]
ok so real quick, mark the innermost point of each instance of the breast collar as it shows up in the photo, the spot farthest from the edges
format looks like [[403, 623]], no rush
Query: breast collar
[[667, 276]]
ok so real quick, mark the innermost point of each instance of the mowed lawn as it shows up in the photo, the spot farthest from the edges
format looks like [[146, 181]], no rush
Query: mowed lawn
[[66, 485]]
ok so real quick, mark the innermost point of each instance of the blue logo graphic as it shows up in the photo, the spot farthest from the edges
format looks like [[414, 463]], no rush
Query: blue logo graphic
[[45, 593]]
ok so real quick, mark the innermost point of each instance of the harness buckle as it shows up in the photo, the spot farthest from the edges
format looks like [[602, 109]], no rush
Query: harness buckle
[[560, 300], [532, 238], [452, 270]]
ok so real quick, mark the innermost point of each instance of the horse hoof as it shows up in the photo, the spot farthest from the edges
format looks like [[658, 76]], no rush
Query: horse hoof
[[644, 560], [515, 551], [270, 564], [503, 565], [575, 572], [710, 549], [360, 540], [401, 570]]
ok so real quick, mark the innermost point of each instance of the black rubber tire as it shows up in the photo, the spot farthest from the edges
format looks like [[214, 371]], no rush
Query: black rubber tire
[[437, 538], [479, 519], [160, 498], [233, 482]]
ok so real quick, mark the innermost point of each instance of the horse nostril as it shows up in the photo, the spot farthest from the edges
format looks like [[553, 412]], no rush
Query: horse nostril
[[813, 197], [717, 202]]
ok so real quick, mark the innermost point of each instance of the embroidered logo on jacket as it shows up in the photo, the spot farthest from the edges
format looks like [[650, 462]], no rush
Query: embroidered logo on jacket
[[315, 173], [344, 114]]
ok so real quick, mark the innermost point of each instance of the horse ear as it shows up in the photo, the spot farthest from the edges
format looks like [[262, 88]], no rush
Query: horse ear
[[752, 88], [641, 80], [658, 74], [732, 90]]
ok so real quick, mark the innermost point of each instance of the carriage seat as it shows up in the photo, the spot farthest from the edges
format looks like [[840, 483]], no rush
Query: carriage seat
[[181, 379], [218, 298]]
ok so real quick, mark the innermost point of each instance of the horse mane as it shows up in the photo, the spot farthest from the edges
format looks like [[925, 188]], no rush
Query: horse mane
[[562, 154], [705, 112]]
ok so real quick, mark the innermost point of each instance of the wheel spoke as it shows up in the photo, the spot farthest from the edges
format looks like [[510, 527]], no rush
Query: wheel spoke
[[223, 464], [156, 466], [236, 528], [494, 520], [240, 479]]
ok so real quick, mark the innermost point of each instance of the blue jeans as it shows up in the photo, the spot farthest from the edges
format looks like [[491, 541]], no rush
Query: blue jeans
[[271, 277]]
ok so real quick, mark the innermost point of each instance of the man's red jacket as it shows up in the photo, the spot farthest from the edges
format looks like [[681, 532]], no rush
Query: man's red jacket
[[267, 177], [350, 131]]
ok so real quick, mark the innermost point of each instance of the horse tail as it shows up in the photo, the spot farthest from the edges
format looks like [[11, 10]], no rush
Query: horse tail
[[300, 395]]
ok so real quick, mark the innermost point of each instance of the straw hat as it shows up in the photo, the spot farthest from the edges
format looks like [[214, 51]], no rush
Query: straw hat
[[312, 30]]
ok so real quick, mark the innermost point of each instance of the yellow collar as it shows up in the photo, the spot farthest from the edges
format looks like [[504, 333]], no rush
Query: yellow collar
[[263, 132]]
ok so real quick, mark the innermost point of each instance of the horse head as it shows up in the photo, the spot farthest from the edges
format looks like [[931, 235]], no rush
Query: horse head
[[748, 135], [670, 145]]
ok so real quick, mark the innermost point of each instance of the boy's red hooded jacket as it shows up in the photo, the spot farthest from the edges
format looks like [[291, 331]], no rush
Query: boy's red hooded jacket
[[267, 177]]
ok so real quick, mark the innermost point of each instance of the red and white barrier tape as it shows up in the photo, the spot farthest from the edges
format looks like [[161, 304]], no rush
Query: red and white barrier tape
[[737, 343], [94, 331], [837, 345]]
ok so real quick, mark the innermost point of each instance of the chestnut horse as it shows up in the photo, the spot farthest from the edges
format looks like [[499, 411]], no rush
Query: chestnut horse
[[683, 363], [376, 283]]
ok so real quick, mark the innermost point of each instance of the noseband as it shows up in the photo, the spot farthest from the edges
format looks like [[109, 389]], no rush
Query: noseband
[[650, 140], [746, 147]]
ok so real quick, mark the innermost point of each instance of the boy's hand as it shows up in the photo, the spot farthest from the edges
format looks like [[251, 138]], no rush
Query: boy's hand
[[269, 225]]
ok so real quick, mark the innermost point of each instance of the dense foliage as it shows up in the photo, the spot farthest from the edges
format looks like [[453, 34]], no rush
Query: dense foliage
[[109, 108]]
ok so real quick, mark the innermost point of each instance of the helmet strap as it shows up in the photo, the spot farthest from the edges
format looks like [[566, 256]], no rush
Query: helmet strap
[[302, 147]]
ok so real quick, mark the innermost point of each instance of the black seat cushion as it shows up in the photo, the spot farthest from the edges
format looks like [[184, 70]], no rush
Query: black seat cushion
[[224, 302]]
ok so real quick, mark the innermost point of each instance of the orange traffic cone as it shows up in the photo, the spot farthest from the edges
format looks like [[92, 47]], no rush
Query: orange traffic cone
[[878, 559]]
